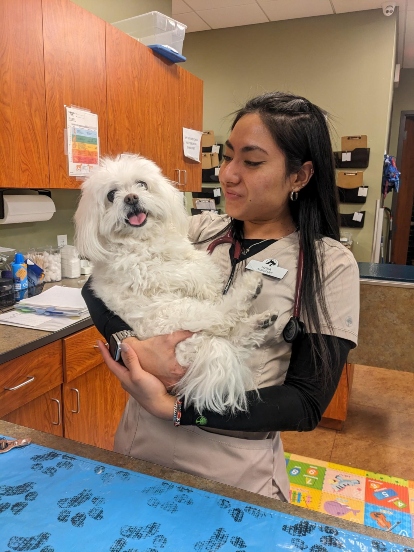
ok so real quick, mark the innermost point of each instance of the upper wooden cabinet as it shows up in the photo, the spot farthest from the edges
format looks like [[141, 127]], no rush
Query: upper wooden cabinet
[[53, 54], [23, 139], [75, 74], [150, 100]]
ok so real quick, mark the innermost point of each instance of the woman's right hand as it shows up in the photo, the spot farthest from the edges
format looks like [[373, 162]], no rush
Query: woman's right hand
[[157, 356]]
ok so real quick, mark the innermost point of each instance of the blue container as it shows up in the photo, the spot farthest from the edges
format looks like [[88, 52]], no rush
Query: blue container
[[19, 271]]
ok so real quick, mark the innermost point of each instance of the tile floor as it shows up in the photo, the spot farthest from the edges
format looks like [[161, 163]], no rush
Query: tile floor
[[378, 434]]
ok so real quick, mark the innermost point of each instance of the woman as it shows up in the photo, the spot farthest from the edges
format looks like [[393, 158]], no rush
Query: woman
[[278, 178]]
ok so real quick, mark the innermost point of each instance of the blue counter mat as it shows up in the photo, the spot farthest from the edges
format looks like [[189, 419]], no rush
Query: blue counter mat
[[51, 501]]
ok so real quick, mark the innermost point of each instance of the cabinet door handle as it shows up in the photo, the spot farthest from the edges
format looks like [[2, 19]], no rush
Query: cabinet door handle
[[185, 176], [59, 412], [178, 176], [29, 380], [77, 400]]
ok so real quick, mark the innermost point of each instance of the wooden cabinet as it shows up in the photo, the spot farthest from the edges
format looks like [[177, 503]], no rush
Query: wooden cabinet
[[94, 403], [65, 389], [43, 413], [23, 139], [75, 74], [189, 104], [93, 397], [336, 413], [56, 54], [29, 376], [150, 100]]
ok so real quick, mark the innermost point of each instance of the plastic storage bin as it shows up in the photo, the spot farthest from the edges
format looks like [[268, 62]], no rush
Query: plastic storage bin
[[154, 28]]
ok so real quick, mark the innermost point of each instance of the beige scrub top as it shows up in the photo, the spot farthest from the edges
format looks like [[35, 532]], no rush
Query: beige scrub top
[[253, 461]]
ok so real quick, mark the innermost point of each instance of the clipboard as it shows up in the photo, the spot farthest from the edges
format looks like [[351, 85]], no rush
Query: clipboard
[[349, 143], [349, 180]]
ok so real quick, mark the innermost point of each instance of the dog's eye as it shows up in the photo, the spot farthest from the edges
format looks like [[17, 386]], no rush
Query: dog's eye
[[141, 183], [110, 196]]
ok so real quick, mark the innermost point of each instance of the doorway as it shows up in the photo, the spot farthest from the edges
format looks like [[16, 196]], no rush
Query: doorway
[[402, 247]]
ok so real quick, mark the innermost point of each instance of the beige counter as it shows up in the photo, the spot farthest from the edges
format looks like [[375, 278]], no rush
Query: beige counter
[[386, 329]]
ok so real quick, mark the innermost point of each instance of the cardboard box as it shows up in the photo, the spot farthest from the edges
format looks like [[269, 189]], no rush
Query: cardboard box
[[207, 138], [349, 143]]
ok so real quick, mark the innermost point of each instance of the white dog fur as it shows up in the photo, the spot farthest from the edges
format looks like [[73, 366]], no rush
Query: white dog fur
[[148, 273]]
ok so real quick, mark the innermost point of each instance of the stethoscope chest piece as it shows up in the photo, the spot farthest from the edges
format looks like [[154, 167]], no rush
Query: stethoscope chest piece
[[293, 330]]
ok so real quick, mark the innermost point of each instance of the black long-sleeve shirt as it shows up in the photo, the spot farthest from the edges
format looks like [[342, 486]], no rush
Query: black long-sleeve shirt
[[296, 405]]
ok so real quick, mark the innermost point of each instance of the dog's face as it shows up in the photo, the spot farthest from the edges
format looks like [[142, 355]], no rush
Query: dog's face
[[126, 198]]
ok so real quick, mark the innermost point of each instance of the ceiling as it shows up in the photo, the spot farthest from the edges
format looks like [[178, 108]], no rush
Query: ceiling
[[200, 15]]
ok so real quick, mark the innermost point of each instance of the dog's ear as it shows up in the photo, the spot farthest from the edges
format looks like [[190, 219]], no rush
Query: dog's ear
[[179, 218], [86, 219]]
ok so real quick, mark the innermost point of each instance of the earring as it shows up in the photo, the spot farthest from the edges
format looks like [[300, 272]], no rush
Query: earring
[[294, 196]]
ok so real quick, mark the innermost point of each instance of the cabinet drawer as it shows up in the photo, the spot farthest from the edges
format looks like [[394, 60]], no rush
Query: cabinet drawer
[[29, 376], [80, 353]]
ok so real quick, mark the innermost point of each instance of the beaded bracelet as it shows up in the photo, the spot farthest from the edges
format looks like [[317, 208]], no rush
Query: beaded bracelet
[[177, 412]]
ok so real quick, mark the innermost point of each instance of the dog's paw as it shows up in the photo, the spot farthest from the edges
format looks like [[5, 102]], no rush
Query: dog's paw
[[266, 321], [253, 285], [258, 290]]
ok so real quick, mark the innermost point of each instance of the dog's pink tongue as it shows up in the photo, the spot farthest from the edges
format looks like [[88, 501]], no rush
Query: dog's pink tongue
[[136, 220]]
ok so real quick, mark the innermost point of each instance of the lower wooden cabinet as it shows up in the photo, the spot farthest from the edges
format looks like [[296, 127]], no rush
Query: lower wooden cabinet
[[65, 389], [43, 413], [93, 405]]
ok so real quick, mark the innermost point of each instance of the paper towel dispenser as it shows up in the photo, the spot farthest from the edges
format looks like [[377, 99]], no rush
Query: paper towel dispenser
[[26, 208]]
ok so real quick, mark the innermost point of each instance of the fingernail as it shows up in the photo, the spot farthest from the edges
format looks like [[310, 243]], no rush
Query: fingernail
[[124, 347]]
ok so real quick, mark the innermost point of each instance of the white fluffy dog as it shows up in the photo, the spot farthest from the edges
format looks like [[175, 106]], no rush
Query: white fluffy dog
[[131, 223]]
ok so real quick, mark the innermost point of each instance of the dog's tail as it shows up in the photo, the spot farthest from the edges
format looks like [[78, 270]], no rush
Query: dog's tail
[[217, 378]]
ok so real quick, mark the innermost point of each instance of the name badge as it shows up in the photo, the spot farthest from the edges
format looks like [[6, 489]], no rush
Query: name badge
[[270, 267]]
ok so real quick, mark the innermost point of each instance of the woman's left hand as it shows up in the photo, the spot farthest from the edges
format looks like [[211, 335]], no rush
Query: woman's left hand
[[141, 385]]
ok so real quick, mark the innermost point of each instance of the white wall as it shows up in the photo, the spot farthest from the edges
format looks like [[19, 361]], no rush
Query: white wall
[[344, 63]]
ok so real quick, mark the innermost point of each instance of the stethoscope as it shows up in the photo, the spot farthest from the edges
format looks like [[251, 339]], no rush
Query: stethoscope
[[295, 328]]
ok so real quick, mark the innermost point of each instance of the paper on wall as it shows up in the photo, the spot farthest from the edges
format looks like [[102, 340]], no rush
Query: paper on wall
[[82, 141], [192, 143]]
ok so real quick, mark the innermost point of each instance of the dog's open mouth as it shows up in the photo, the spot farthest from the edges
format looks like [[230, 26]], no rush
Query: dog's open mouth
[[136, 218]]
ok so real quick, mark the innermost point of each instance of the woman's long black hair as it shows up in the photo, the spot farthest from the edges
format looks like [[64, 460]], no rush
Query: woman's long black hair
[[300, 130]]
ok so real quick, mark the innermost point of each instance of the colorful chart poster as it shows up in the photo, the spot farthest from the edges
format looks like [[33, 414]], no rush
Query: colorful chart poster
[[83, 141]]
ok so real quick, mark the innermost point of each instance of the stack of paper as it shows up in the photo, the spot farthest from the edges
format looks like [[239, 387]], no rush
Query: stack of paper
[[50, 311], [55, 301]]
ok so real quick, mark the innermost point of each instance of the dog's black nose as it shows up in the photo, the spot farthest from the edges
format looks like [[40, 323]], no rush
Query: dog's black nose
[[131, 199]]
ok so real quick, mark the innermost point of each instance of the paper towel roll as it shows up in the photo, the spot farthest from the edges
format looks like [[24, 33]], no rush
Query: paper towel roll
[[27, 208]]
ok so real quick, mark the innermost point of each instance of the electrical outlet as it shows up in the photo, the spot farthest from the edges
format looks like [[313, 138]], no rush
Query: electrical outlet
[[62, 240]]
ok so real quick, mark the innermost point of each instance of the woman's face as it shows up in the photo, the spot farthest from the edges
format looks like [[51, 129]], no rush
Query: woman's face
[[253, 174]]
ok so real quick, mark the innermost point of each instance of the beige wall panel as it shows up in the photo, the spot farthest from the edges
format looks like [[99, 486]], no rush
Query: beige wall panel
[[344, 63]]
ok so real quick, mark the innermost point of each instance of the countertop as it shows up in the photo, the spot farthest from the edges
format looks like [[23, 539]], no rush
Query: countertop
[[15, 342], [119, 460], [386, 274]]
